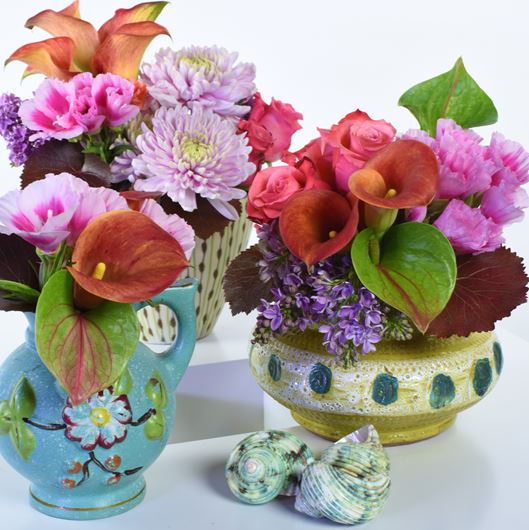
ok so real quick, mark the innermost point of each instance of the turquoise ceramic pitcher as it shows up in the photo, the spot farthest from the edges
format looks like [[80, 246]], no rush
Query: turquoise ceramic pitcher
[[87, 461]]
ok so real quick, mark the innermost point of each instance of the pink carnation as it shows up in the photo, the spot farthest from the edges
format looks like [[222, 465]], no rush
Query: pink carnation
[[52, 111], [468, 229], [504, 203], [511, 159], [85, 111], [113, 96], [464, 164]]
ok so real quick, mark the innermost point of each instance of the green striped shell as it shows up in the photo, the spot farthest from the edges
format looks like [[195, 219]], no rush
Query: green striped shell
[[350, 483], [265, 465]]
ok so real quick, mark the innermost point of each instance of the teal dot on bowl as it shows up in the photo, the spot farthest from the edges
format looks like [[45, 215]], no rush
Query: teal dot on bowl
[[482, 376], [443, 391], [320, 378], [274, 367], [498, 357], [385, 389]]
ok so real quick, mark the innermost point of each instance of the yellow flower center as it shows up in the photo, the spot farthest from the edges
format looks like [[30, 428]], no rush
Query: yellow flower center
[[390, 193], [199, 61], [100, 417], [194, 149]]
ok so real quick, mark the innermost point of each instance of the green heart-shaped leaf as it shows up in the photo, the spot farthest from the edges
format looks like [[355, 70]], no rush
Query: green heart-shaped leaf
[[454, 95], [124, 383], [413, 269], [23, 439], [23, 400], [85, 351]]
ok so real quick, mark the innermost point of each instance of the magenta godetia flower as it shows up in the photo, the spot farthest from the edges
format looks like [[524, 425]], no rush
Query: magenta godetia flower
[[65, 110]]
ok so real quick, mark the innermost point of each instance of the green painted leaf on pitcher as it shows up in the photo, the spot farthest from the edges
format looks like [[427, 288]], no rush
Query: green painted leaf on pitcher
[[454, 95], [413, 269], [23, 400], [156, 392], [155, 426], [23, 439], [6, 417]]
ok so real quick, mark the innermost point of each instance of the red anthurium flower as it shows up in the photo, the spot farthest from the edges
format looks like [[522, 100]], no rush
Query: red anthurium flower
[[317, 223], [403, 174], [125, 257], [117, 47]]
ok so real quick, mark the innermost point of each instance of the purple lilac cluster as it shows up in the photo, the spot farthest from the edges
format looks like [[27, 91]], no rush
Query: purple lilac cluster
[[327, 297], [13, 131]]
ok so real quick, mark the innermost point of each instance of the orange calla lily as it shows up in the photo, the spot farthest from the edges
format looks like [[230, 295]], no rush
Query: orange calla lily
[[125, 257], [76, 46], [403, 174], [316, 224]]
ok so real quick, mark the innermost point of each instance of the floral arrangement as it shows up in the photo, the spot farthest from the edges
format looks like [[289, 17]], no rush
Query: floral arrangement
[[366, 234], [188, 129]]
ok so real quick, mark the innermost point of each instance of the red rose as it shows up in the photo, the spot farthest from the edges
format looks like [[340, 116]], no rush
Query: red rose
[[353, 141], [270, 128], [272, 187]]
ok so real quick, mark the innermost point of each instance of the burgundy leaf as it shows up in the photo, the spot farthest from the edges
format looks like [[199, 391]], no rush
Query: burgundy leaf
[[489, 286], [65, 157], [205, 220], [18, 263], [243, 288]]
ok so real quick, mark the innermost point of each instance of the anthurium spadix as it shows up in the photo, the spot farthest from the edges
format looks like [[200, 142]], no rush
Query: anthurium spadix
[[316, 224], [117, 47], [125, 257]]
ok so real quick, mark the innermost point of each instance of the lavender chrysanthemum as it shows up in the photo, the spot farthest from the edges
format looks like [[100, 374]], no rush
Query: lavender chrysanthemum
[[13, 131], [192, 152], [208, 76]]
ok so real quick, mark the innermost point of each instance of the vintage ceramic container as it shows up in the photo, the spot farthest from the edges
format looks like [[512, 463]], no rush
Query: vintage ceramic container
[[409, 390], [87, 461], [208, 264]]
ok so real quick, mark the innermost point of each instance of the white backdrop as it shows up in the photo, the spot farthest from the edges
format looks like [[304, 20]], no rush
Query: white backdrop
[[329, 57]]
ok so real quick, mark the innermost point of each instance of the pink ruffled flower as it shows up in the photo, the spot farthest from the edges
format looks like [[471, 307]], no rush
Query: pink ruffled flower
[[270, 128], [511, 159], [40, 213], [417, 214], [354, 140], [464, 164], [113, 96], [93, 202], [468, 229], [85, 111], [52, 111], [173, 224], [504, 203]]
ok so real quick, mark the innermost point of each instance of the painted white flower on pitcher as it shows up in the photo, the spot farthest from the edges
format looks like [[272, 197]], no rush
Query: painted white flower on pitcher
[[101, 420]]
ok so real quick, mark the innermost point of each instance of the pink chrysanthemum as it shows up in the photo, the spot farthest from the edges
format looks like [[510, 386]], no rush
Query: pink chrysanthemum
[[204, 75], [193, 152], [464, 165]]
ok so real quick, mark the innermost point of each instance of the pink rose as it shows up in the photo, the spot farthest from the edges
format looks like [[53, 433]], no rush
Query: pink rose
[[272, 187], [270, 128], [52, 111], [468, 229], [353, 141]]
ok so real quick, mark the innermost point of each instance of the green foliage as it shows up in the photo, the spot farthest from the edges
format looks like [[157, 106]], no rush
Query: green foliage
[[454, 95], [413, 269]]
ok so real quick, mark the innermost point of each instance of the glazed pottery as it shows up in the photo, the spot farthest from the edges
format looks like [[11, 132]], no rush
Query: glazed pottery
[[208, 264], [409, 391], [87, 461]]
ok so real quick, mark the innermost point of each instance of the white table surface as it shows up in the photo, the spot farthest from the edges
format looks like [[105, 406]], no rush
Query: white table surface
[[474, 476]]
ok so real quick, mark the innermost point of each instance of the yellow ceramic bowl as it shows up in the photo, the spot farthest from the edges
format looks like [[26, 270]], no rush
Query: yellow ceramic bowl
[[409, 391]]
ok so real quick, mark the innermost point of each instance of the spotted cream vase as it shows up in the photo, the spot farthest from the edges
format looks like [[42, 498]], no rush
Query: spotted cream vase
[[409, 391], [208, 264]]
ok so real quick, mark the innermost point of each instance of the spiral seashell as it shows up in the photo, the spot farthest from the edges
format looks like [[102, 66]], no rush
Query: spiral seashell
[[350, 483], [265, 465]]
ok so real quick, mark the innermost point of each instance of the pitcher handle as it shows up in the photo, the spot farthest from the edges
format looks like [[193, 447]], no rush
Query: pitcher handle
[[180, 298]]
